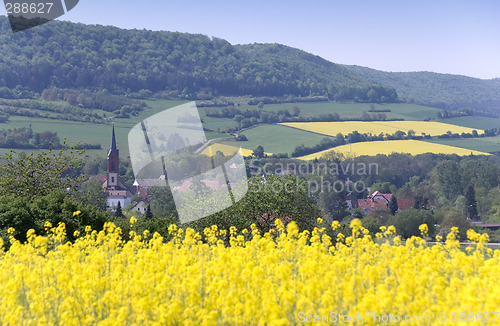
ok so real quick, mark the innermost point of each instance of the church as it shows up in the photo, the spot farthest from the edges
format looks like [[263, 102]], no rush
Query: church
[[118, 191]]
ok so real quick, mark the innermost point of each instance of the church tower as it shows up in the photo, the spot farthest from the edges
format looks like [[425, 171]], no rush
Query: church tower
[[113, 163]]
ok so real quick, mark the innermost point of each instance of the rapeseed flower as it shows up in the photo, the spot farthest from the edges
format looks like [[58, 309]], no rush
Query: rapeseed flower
[[240, 277]]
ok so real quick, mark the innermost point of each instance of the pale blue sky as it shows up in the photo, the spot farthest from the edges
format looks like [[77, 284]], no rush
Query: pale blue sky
[[456, 36]]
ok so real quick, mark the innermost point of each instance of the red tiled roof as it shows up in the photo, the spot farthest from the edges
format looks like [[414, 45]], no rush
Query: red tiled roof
[[372, 204], [405, 203], [378, 193], [388, 197], [143, 191]]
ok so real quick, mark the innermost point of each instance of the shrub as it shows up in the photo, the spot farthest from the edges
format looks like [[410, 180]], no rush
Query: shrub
[[407, 222]]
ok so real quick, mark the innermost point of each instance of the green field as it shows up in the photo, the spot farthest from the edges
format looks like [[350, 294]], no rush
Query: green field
[[486, 144], [474, 122], [75, 131], [352, 110], [276, 138], [208, 122]]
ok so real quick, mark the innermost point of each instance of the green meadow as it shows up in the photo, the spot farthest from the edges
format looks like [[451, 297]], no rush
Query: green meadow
[[274, 138], [483, 144]]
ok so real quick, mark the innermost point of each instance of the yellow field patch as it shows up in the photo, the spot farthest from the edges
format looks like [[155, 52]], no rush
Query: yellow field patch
[[420, 128], [387, 147], [228, 150]]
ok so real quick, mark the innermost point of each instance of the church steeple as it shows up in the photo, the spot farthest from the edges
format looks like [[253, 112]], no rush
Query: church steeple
[[113, 162], [112, 145]]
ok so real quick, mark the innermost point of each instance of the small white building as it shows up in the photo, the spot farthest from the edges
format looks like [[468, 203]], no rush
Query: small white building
[[140, 207]]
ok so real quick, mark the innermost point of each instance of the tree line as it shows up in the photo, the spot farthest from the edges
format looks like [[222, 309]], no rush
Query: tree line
[[357, 137], [447, 189], [25, 138]]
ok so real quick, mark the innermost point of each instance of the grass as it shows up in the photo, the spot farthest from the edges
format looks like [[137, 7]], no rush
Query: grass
[[486, 144], [83, 132], [274, 138], [277, 138], [73, 131], [474, 122], [352, 110], [376, 127], [208, 122], [387, 147]]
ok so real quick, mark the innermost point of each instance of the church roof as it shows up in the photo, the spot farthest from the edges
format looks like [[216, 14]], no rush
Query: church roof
[[113, 139], [112, 145]]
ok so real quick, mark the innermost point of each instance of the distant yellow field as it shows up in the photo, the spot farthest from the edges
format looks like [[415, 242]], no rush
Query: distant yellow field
[[228, 150], [413, 147], [376, 127]]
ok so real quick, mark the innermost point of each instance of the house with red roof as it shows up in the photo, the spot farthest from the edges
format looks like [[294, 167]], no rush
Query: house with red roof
[[377, 202]]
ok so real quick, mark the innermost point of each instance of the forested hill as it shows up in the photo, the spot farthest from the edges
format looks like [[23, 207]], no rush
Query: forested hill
[[439, 90], [68, 55]]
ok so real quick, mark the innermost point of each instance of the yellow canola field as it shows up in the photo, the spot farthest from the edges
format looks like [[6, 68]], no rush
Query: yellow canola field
[[387, 147], [285, 278], [432, 128], [228, 150]]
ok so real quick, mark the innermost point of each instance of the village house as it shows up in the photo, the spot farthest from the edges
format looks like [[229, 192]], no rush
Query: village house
[[377, 202]]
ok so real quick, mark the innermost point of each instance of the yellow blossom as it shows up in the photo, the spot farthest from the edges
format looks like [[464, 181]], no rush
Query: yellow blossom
[[100, 279]]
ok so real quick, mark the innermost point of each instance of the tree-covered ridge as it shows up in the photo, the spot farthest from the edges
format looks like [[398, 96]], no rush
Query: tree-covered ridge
[[314, 74], [445, 91], [68, 55]]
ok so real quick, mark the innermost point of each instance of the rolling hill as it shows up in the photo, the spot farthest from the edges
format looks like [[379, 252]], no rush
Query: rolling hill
[[68, 55], [195, 66], [444, 91]]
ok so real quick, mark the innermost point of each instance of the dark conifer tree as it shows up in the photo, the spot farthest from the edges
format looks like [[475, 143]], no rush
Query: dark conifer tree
[[118, 211], [470, 202], [393, 205], [149, 214]]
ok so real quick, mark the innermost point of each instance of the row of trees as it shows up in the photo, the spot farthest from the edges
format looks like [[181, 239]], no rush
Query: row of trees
[[25, 138], [326, 143], [69, 104], [356, 137], [447, 114], [100, 100], [249, 118], [36, 108], [447, 189]]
